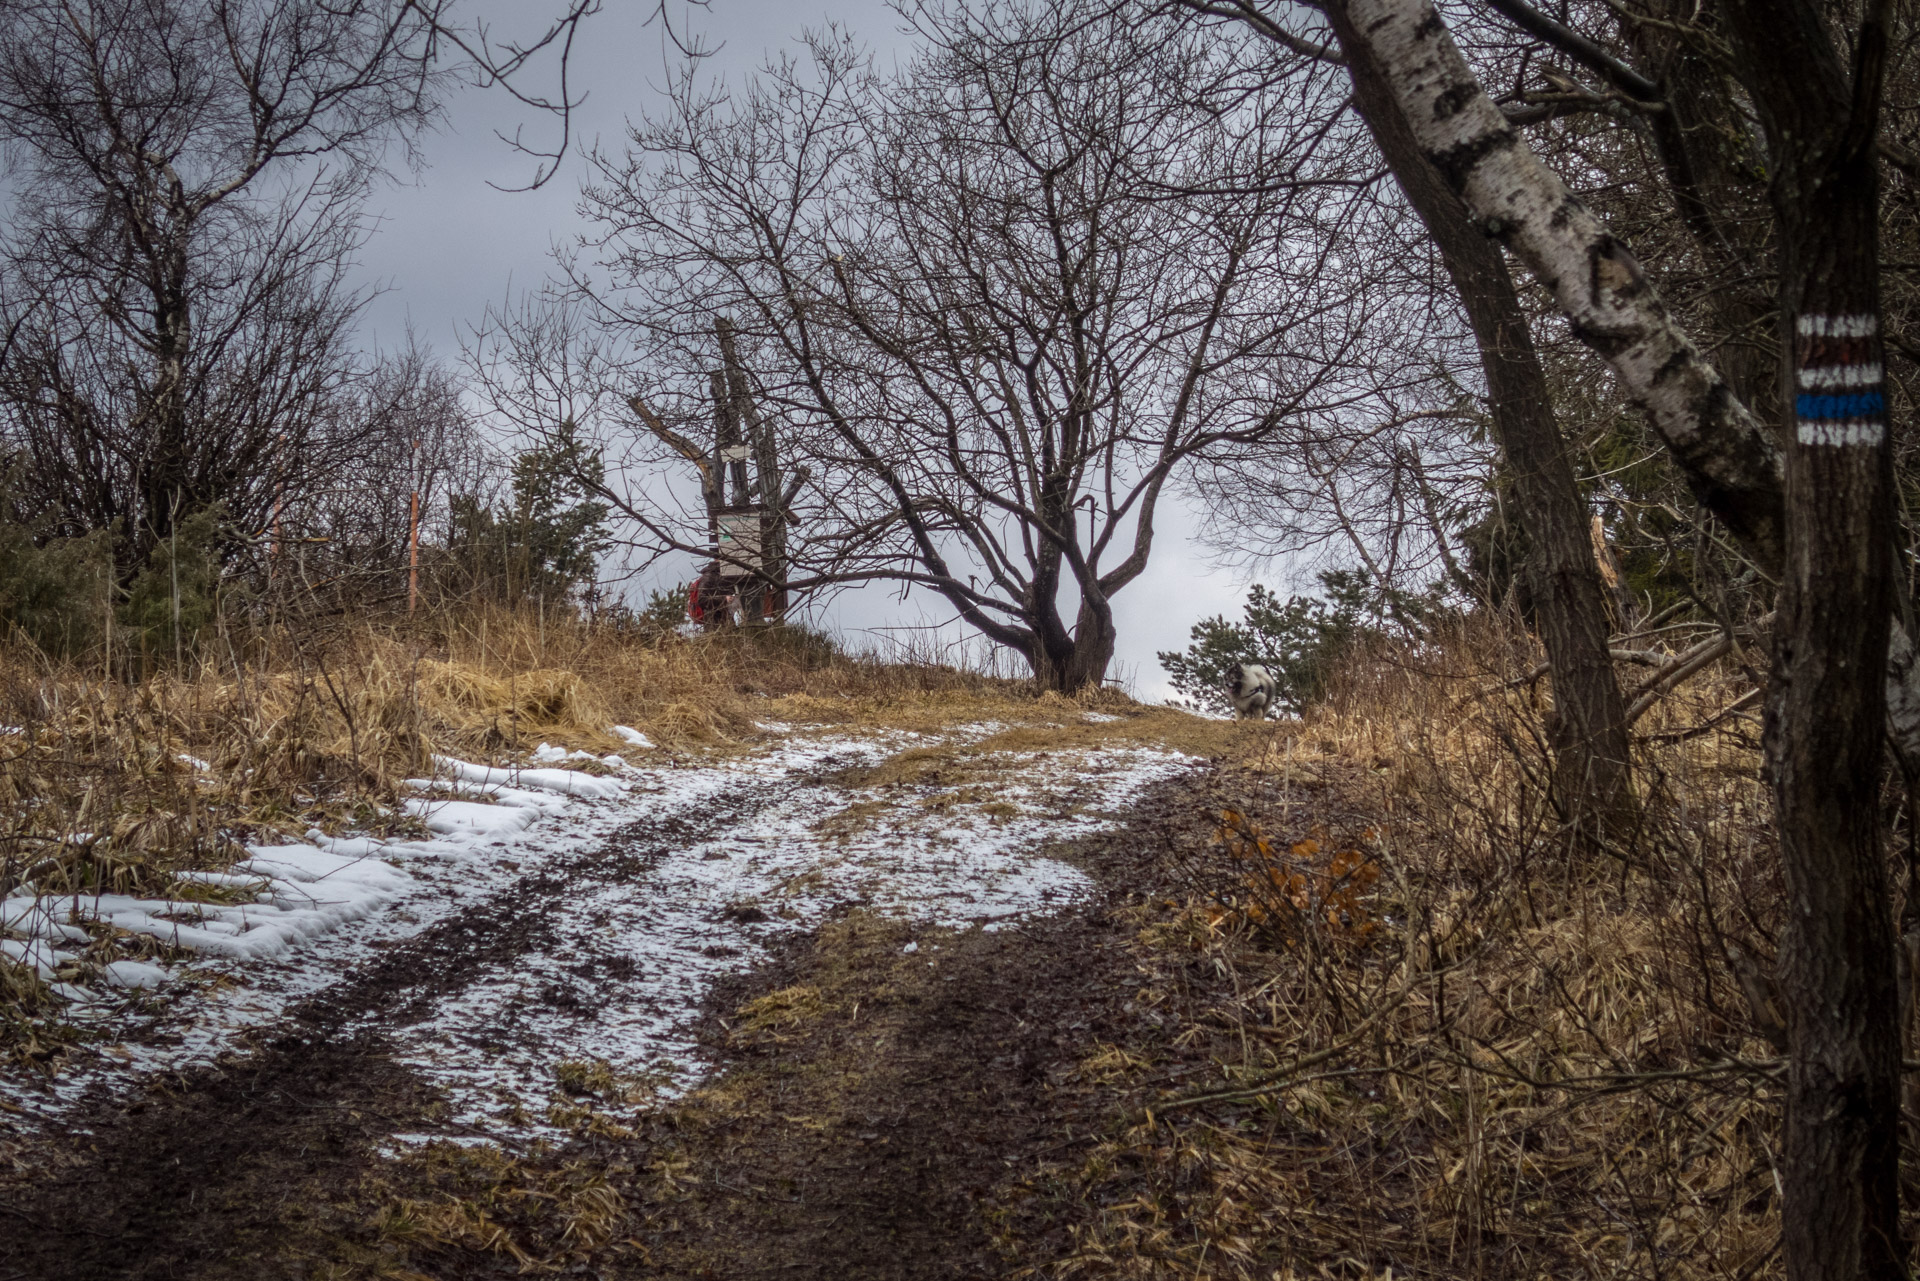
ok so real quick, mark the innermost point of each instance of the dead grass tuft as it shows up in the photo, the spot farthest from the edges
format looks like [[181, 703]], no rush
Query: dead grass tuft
[[687, 723], [543, 1217], [785, 1008], [1447, 1035]]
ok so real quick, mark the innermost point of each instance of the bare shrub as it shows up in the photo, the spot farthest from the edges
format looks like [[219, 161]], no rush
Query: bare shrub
[[1454, 1037]]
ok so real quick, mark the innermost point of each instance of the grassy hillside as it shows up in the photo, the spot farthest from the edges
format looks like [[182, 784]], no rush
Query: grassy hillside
[[1384, 1008]]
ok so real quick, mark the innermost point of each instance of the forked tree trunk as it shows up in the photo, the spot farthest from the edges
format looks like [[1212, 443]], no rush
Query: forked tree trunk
[[1830, 531], [1070, 664], [1725, 454], [1589, 730], [1826, 706]]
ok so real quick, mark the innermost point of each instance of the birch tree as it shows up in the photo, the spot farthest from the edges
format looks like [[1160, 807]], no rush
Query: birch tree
[[1822, 516], [1589, 725]]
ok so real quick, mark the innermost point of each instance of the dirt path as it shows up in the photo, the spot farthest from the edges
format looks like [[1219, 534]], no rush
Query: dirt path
[[884, 1080], [871, 1135], [183, 1181]]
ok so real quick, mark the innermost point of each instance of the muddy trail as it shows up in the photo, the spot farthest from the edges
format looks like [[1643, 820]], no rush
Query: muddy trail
[[182, 1172], [873, 1082]]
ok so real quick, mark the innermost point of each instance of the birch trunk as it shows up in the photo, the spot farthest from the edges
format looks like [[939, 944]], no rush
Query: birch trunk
[[1727, 455], [1589, 730]]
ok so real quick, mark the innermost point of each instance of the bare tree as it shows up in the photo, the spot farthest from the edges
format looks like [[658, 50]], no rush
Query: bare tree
[[416, 438], [188, 176], [999, 302]]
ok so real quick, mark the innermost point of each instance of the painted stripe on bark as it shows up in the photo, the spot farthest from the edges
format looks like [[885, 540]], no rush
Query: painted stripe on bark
[[1835, 376], [1869, 404], [1841, 403], [1838, 326], [1846, 432]]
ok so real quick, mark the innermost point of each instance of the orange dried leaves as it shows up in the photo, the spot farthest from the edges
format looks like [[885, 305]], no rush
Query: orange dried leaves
[[1300, 887]]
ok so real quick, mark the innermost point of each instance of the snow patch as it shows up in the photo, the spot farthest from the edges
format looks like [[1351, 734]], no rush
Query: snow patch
[[628, 734], [451, 817], [43, 957], [564, 781], [546, 753], [720, 862], [135, 974]]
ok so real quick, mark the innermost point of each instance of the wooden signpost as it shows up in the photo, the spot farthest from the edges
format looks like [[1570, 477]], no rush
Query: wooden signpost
[[746, 514]]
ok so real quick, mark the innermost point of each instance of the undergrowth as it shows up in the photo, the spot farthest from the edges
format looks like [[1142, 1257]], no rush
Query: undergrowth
[[1443, 1034]]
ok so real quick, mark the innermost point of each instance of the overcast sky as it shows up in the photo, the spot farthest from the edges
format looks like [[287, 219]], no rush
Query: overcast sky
[[448, 244]]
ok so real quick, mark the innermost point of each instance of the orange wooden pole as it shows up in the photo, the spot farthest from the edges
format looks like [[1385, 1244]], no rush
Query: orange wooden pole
[[413, 535]]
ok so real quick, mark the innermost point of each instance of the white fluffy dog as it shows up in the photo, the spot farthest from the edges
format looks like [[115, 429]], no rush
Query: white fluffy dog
[[1253, 690]]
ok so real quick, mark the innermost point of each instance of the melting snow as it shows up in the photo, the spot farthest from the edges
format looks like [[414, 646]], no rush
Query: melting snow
[[450, 817], [719, 862]]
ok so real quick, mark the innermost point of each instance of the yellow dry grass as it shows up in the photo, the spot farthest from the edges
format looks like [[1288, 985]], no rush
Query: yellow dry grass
[[537, 1219], [111, 785], [1519, 1056]]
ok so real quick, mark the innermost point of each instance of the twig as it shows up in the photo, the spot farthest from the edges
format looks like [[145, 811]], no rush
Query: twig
[[1675, 736], [1284, 1075], [1685, 665]]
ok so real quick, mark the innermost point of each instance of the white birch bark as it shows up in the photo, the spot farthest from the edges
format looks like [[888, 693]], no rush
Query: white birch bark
[[1726, 453]]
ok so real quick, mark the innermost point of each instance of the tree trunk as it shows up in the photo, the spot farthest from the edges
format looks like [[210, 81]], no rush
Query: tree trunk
[[1589, 728], [1826, 702], [1830, 531], [1080, 661], [167, 490]]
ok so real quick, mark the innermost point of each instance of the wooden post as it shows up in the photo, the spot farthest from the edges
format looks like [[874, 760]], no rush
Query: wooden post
[[768, 598], [413, 535], [773, 525], [734, 408], [712, 477]]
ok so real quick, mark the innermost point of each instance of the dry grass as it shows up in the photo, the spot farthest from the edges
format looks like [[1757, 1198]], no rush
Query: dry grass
[[539, 1219], [112, 786], [1448, 1037]]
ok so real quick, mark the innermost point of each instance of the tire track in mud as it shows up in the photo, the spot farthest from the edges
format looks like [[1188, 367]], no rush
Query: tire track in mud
[[171, 1184], [257, 1166]]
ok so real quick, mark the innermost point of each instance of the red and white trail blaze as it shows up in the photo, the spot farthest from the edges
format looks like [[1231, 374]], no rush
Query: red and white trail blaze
[[1841, 398]]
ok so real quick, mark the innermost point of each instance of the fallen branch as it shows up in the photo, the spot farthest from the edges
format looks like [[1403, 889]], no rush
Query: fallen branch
[[1683, 665], [1674, 736]]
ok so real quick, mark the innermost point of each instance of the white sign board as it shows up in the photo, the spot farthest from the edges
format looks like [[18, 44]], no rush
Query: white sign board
[[739, 541]]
